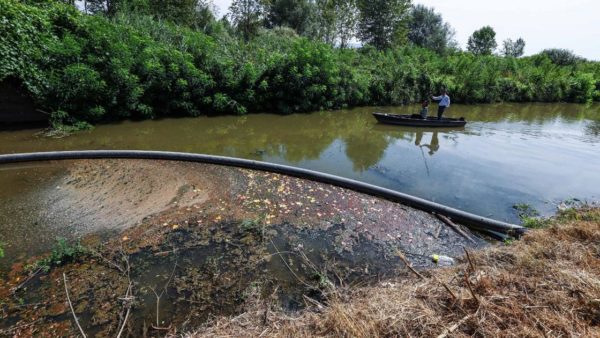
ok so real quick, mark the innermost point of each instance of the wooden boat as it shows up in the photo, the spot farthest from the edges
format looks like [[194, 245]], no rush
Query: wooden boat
[[417, 121]]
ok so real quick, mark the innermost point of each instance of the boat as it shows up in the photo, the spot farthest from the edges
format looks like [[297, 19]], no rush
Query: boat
[[416, 120]]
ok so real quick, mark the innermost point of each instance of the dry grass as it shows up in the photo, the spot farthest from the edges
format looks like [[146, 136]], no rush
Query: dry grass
[[547, 284]]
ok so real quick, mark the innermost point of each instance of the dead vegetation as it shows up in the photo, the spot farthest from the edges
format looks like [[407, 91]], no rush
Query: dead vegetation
[[547, 284]]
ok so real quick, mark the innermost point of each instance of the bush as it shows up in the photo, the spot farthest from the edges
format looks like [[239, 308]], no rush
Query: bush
[[62, 253], [90, 68], [562, 57]]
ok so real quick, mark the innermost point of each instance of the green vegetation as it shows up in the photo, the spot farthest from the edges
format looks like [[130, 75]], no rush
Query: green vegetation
[[139, 59], [513, 48], [62, 253], [382, 23], [483, 41], [530, 217], [257, 226], [427, 29]]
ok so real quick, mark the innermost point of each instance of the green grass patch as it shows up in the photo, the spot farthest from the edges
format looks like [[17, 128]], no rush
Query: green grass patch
[[62, 253]]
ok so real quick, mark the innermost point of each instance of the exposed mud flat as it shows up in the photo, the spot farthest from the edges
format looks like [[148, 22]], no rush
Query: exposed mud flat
[[209, 238]]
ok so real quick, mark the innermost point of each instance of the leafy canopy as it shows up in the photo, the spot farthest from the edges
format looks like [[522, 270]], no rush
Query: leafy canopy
[[382, 23], [483, 41], [427, 29], [513, 48]]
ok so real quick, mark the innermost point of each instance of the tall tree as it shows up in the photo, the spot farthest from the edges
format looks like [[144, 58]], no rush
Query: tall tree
[[483, 41], [334, 21], [192, 13], [107, 7], [247, 16], [295, 14], [513, 48], [346, 21], [324, 21], [383, 22], [427, 29]]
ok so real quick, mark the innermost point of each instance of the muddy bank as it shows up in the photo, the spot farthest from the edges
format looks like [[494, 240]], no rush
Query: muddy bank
[[196, 241], [545, 285]]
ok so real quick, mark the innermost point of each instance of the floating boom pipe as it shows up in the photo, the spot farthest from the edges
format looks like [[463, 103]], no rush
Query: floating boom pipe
[[471, 220]]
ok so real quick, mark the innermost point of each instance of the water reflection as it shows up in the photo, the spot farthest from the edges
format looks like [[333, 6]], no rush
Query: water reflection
[[507, 153], [593, 129], [434, 144]]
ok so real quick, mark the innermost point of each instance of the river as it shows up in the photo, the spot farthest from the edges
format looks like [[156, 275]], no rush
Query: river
[[539, 154]]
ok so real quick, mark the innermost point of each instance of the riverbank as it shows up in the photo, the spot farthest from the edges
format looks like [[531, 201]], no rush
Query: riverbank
[[187, 242], [547, 284], [83, 69]]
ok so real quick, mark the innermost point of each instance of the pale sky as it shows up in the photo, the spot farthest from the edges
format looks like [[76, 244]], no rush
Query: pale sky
[[570, 24]]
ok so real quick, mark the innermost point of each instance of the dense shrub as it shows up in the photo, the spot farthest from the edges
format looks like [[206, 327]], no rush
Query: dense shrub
[[93, 68]]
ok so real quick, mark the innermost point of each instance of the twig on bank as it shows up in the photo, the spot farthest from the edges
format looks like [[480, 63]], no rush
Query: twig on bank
[[454, 327], [437, 233], [108, 261], [455, 227], [31, 275], [128, 304], [471, 288], [470, 260], [158, 297], [401, 256], [10, 329], [316, 303], [289, 268], [128, 299], [71, 305], [445, 287]]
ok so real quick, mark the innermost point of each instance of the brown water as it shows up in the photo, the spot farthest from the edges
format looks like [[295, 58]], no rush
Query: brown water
[[508, 153]]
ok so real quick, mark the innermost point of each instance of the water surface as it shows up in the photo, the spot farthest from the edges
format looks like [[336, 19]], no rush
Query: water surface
[[508, 153]]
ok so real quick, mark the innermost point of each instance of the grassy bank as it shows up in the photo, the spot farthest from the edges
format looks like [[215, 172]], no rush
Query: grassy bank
[[547, 284], [87, 68]]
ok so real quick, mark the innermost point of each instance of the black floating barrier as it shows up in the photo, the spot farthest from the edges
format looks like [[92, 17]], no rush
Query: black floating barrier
[[475, 222]]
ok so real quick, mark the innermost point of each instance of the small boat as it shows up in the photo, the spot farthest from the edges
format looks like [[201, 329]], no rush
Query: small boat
[[416, 120]]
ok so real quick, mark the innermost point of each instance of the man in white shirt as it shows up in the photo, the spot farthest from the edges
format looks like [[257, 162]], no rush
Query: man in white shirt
[[444, 103]]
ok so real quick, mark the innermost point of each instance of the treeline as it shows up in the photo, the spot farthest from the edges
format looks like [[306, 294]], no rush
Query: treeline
[[150, 58]]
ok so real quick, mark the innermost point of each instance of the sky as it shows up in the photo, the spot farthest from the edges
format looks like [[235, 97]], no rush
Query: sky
[[570, 24]]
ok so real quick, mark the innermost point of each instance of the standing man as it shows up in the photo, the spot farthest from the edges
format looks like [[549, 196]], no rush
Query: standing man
[[444, 103]]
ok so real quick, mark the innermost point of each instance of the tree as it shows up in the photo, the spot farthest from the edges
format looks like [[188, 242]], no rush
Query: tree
[[247, 16], [204, 16], [346, 20], [513, 48], [562, 57], [334, 21], [483, 41], [322, 25], [107, 7], [382, 22], [427, 29], [295, 14]]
